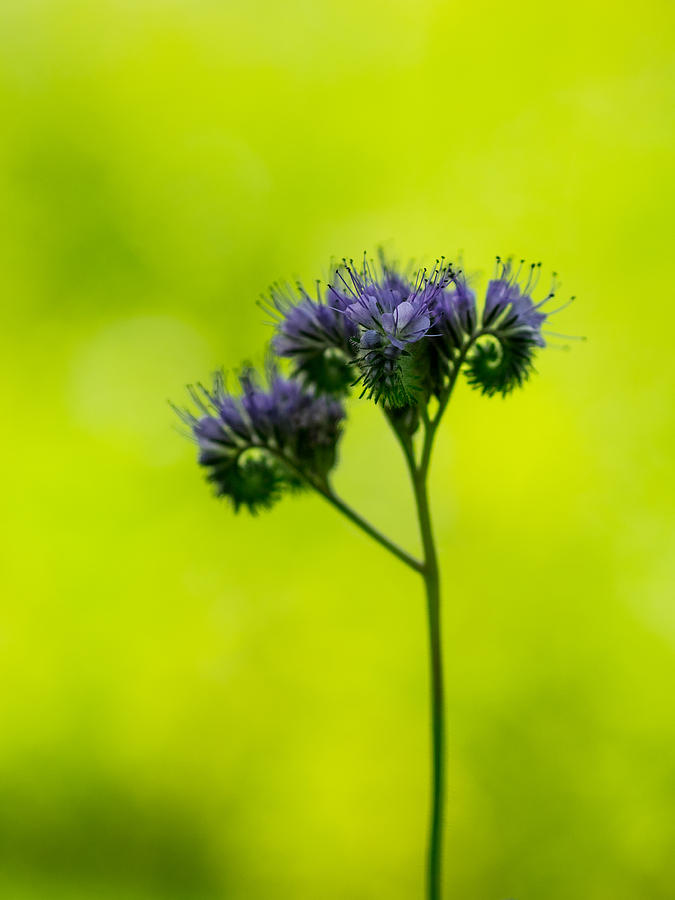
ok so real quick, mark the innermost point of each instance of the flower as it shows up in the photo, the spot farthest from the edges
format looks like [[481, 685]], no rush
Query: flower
[[453, 323], [454, 312], [315, 336], [392, 313], [513, 322], [268, 438], [509, 310], [387, 303]]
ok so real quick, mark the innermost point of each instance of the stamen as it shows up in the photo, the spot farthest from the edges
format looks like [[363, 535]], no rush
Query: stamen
[[545, 300], [552, 312], [526, 289], [536, 277], [567, 337]]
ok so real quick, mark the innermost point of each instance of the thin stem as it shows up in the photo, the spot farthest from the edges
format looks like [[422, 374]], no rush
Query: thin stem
[[326, 491], [432, 584], [323, 487], [404, 440], [430, 573], [432, 424]]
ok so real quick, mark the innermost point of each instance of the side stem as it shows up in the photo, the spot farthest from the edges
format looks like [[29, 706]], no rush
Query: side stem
[[323, 487], [327, 492]]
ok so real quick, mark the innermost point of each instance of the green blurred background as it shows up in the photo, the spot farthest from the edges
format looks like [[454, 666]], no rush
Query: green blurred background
[[198, 706]]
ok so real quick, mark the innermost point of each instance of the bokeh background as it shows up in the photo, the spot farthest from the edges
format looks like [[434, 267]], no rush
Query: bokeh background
[[197, 706]]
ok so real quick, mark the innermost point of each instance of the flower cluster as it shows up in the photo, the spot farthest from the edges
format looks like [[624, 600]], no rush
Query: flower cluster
[[402, 337], [268, 438]]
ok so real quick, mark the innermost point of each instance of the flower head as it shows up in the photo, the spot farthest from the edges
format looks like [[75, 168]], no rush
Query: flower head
[[267, 438], [315, 336], [453, 323], [509, 309], [454, 311], [392, 313], [513, 321]]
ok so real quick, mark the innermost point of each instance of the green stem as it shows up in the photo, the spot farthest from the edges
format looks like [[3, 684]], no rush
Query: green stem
[[430, 573], [432, 584], [326, 491], [322, 487]]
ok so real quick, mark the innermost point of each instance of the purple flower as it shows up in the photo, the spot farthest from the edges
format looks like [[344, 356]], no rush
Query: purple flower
[[510, 331], [509, 309], [267, 438], [454, 312], [382, 282], [315, 336], [383, 300], [392, 313]]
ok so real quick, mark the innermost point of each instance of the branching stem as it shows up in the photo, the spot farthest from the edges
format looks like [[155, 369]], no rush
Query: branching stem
[[428, 569], [326, 491]]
